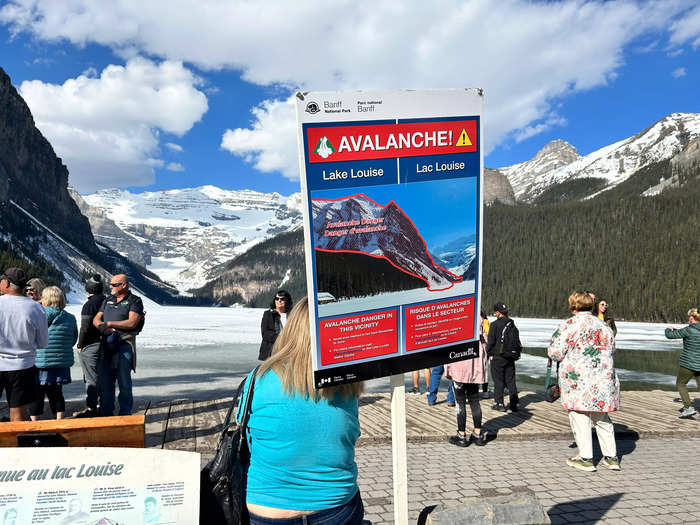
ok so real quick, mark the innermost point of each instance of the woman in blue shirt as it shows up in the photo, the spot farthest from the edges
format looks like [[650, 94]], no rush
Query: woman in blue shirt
[[302, 440]]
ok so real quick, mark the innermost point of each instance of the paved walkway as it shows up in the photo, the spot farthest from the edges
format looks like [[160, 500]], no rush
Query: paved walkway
[[659, 482], [193, 425]]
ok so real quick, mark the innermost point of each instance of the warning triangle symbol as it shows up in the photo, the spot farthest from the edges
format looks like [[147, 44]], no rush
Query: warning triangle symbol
[[464, 139]]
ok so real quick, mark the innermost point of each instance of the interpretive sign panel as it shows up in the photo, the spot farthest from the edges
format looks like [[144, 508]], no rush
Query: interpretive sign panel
[[106, 486], [392, 188]]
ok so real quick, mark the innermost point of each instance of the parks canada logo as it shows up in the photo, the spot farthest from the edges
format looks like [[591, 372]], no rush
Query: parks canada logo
[[324, 148], [312, 107]]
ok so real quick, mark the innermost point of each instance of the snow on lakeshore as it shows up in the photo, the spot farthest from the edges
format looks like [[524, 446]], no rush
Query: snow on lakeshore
[[536, 333], [202, 353], [186, 326]]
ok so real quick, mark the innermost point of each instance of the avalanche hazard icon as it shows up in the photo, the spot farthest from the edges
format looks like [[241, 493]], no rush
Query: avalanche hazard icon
[[324, 148], [464, 139]]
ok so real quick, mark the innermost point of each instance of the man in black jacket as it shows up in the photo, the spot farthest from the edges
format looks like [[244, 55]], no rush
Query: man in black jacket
[[502, 367], [89, 343]]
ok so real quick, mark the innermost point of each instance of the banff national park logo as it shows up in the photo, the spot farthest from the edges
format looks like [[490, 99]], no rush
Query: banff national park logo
[[312, 107], [324, 148]]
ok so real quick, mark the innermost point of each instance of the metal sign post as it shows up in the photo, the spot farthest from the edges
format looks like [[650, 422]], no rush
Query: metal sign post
[[398, 449]]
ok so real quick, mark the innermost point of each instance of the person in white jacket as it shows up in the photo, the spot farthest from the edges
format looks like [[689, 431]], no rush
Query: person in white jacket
[[590, 389]]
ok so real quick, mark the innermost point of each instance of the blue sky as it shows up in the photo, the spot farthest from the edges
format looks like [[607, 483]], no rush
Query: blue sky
[[160, 95]]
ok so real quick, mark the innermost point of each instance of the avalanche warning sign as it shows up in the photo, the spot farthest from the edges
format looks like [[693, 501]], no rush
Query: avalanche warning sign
[[392, 203]]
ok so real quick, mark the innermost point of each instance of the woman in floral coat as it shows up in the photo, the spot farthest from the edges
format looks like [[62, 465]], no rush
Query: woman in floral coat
[[589, 386]]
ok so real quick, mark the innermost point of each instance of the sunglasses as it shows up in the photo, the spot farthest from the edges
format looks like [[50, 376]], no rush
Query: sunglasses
[[279, 298], [30, 290], [604, 304], [116, 285]]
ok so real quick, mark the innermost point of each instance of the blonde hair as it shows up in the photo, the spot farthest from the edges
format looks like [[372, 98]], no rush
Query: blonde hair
[[580, 302], [693, 312], [291, 359], [53, 296]]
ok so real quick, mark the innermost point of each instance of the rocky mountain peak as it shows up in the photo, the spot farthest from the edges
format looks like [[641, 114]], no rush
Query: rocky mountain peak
[[559, 162], [32, 176], [559, 148]]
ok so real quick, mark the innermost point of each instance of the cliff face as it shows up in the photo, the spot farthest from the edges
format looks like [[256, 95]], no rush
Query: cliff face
[[32, 175], [497, 188]]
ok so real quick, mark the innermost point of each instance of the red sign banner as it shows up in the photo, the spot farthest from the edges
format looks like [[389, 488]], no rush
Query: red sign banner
[[439, 323], [381, 141], [358, 336]]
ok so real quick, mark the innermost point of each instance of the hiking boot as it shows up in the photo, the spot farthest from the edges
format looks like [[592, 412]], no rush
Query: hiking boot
[[460, 440], [478, 439], [414, 390], [687, 412], [611, 462], [86, 412], [581, 464], [499, 407]]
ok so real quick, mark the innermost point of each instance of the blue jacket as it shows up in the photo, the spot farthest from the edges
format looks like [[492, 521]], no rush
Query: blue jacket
[[63, 333]]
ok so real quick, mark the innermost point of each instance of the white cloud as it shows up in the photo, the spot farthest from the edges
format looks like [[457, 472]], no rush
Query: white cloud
[[678, 73], [525, 54], [270, 144], [687, 29], [175, 166], [532, 130], [106, 128], [173, 147]]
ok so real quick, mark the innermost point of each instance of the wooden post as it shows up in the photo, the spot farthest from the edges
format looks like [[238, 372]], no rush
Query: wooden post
[[398, 448]]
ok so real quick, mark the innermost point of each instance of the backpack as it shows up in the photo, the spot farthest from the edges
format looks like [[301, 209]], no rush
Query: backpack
[[510, 342]]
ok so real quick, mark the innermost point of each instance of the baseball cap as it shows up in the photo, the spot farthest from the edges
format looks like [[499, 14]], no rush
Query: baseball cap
[[16, 276], [501, 308]]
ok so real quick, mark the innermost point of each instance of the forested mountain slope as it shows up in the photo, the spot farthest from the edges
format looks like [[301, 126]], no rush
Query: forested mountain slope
[[640, 253]]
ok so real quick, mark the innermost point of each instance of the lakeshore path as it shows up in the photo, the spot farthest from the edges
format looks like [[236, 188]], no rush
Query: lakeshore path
[[660, 456]]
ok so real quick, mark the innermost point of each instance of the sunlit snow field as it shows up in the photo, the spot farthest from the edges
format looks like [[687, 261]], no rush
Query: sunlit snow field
[[201, 353]]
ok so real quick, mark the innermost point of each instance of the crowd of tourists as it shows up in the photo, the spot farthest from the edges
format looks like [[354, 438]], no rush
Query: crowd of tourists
[[311, 477], [37, 336]]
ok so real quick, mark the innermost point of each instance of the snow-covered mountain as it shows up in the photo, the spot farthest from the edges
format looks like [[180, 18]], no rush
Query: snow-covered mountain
[[525, 175], [457, 255], [559, 162], [188, 232], [359, 225]]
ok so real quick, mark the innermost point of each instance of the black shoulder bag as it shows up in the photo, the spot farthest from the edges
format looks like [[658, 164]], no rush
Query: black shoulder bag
[[222, 480]]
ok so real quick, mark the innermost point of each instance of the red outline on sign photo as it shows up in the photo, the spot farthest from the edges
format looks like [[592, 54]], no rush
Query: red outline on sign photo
[[459, 279]]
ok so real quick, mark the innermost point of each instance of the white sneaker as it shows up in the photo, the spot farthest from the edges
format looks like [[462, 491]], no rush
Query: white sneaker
[[687, 412]]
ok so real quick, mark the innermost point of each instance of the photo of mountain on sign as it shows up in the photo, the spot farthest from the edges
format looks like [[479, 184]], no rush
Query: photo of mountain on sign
[[371, 249]]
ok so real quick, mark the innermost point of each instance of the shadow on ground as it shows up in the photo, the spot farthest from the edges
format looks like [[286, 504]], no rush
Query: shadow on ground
[[583, 510], [510, 419]]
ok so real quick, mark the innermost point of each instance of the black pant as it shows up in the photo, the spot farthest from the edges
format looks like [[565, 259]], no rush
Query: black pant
[[503, 373], [464, 392], [56, 399]]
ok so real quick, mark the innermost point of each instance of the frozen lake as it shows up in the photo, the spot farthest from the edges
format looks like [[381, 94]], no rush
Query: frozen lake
[[201, 353]]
